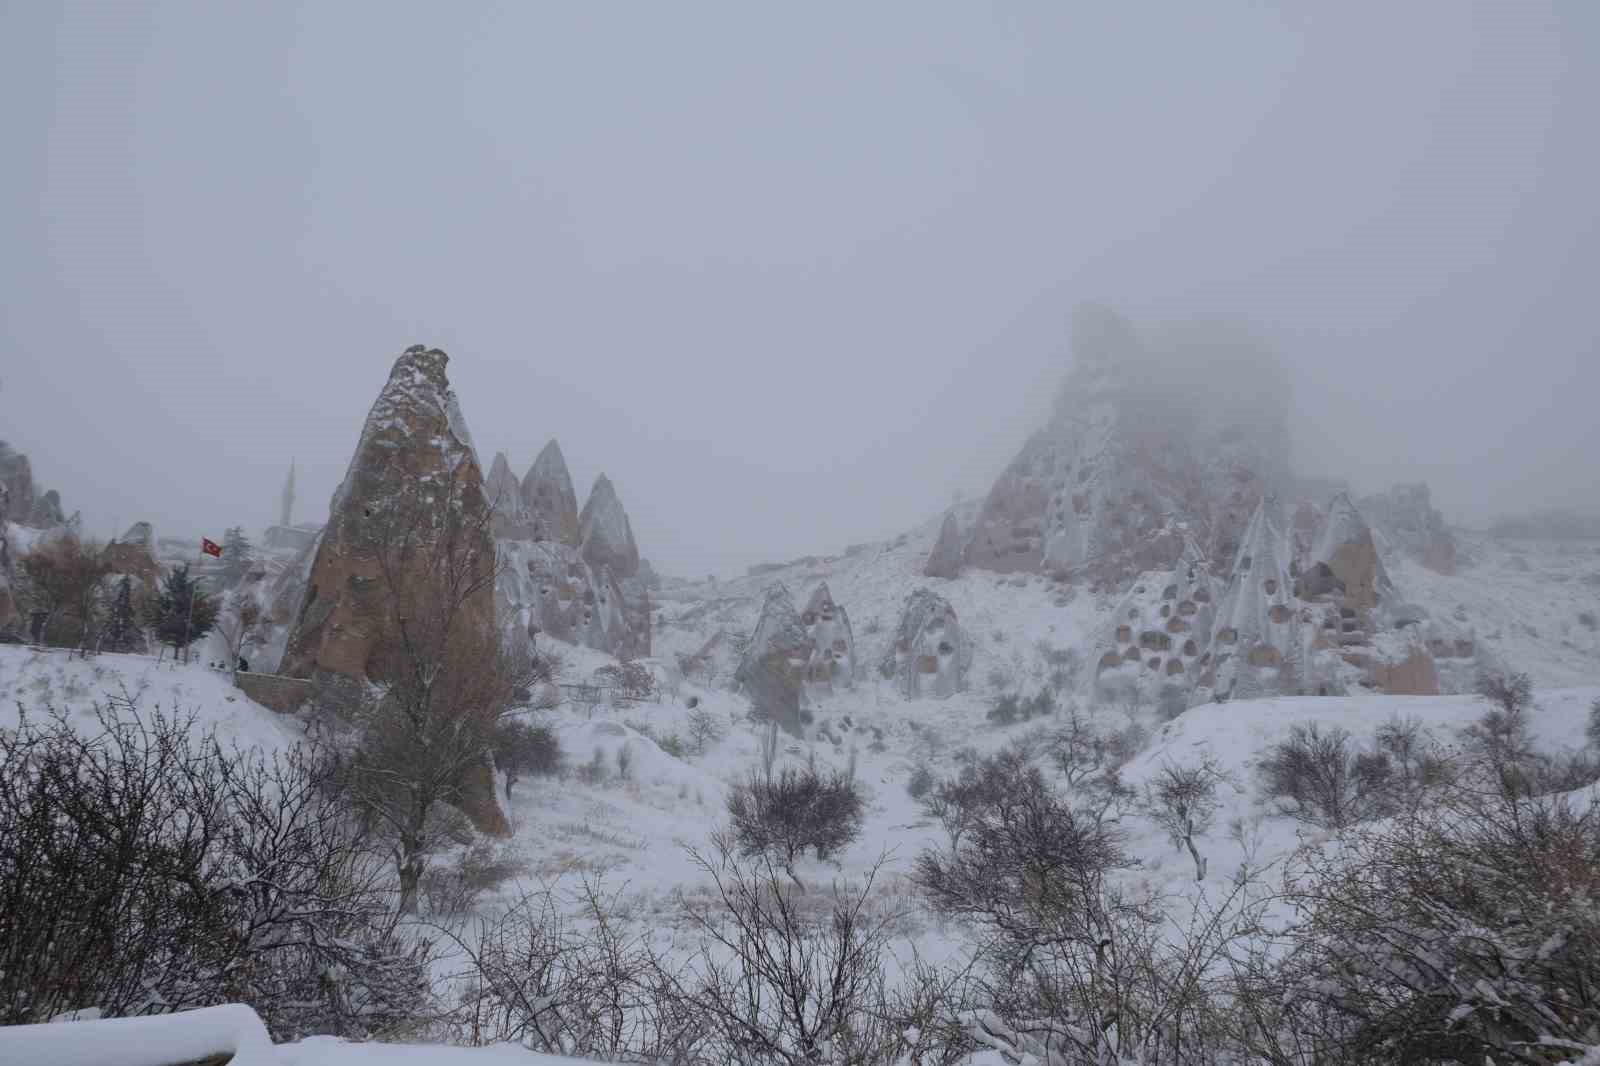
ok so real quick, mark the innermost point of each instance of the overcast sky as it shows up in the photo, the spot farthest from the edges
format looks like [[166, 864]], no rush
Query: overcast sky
[[791, 275]]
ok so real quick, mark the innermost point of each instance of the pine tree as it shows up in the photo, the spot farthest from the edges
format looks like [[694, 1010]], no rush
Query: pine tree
[[180, 614], [237, 555], [122, 629]]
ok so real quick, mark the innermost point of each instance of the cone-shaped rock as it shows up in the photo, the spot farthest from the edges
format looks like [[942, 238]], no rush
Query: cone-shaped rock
[[833, 647], [1345, 546], [414, 465], [773, 669], [1253, 625], [931, 653], [1406, 516], [945, 559], [548, 495], [511, 518], [605, 535]]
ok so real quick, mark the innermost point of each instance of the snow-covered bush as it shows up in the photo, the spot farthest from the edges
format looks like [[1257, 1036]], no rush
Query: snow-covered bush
[[1324, 773], [1465, 932], [146, 868]]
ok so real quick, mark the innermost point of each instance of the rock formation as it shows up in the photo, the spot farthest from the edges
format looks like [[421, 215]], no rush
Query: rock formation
[[414, 468], [1157, 644], [832, 663], [1406, 518], [414, 481], [931, 653], [134, 554], [16, 475], [1127, 451], [511, 521], [1260, 631], [773, 669], [548, 495], [8, 603], [605, 536], [1346, 548], [945, 559]]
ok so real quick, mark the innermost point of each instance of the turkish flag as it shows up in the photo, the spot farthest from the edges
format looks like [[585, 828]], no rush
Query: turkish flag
[[211, 547]]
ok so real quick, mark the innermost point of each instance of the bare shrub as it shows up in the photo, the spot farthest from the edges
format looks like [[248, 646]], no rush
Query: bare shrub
[[630, 680], [959, 802], [705, 729], [1464, 933], [1182, 800], [1323, 773], [563, 976], [595, 771], [146, 868], [1078, 972], [1007, 710], [454, 889], [783, 815], [792, 984], [1511, 693], [921, 782]]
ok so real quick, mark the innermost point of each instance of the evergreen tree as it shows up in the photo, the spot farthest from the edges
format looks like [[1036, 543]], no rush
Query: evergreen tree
[[122, 628], [180, 613], [237, 555]]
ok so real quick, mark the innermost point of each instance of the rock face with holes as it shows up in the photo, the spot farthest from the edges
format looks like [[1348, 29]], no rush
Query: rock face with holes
[[832, 663], [1405, 518], [549, 498], [1157, 644], [414, 466], [545, 587], [945, 559], [773, 669], [1126, 459], [930, 654], [1260, 635]]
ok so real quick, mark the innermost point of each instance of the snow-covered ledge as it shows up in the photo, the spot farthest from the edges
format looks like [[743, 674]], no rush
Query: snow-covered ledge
[[153, 1040]]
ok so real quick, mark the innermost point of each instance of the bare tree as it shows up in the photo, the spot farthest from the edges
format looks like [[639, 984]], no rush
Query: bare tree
[[1183, 801], [705, 729], [240, 626], [443, 681], [66, 577]]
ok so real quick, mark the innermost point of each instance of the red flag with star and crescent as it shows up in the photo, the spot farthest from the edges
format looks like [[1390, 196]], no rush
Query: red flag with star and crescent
[[211, 547]]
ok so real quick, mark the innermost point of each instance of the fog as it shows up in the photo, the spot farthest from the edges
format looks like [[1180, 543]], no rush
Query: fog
[[792, 277]]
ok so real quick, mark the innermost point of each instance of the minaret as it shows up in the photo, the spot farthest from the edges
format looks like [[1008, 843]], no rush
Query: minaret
[[286, 506]]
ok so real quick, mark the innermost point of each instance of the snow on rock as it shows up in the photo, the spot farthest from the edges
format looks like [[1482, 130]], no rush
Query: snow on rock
[[546, 587], [775, 661], [605, 534], [945, 559], [548, 495], [1157, 642], [511, 517], [1346, 548], [413, 486], [413, 460], [1258, 626], [1126, 456], [931, 653], [832, 663]]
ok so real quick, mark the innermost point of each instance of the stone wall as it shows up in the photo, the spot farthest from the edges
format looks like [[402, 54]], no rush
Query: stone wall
[[276, 692]]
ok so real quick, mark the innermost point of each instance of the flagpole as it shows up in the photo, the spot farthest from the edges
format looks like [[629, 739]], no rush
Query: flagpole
[[188, 621]]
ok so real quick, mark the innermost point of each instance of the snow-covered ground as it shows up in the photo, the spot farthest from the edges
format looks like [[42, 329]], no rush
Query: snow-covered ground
[[635, 827]]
